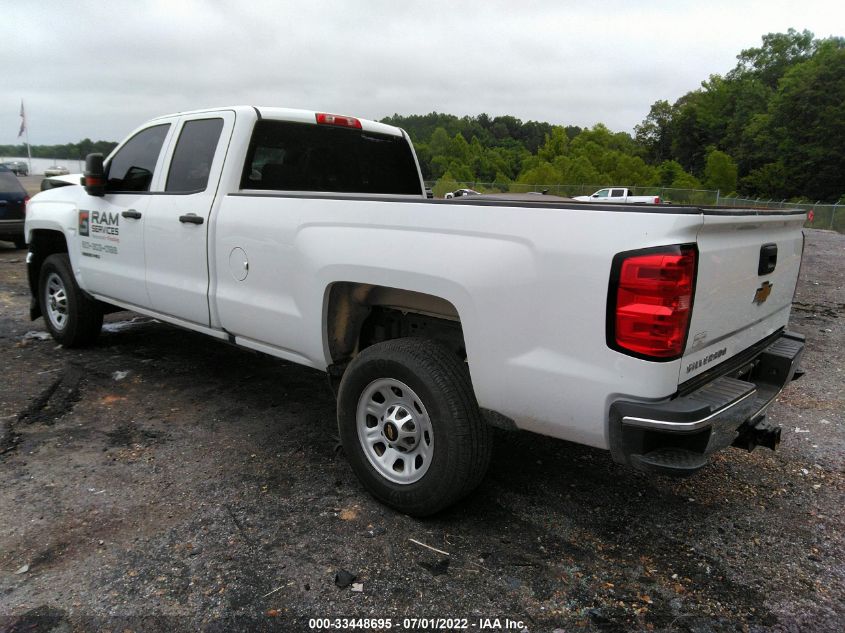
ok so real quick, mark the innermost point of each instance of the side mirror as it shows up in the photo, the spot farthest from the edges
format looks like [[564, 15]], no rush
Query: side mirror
[[94, 178]]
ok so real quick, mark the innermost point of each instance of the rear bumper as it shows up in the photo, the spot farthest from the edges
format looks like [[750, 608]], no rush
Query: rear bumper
[[11, 228], [678, 435]]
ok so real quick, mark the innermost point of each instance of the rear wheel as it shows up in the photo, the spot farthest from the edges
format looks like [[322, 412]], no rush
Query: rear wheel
[[410, 425], [72, 318]]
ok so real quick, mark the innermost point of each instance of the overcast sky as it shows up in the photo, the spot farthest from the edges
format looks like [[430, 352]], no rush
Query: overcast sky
[[99, 69]]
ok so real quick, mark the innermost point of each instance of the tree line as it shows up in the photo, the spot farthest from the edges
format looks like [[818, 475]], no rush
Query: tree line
[[68, 151], [778, 116], [772, 127]]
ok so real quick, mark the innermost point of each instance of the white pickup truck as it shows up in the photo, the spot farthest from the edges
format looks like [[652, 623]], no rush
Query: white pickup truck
[[618, 195], [655, 332]]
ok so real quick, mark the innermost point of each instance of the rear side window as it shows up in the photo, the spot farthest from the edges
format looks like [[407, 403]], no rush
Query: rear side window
[[132, 167], [617, 193], [288, 156], [191, 163]]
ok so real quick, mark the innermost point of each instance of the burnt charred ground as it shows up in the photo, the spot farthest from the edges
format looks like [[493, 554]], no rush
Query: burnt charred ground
[[165, 481]]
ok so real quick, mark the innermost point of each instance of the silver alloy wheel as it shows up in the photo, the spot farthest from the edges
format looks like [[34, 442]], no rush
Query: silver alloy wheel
[[395, 431], [56, 300]]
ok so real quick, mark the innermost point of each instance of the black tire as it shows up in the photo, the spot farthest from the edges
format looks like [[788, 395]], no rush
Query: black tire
[[461, 448], [20, 242], [79, 319]]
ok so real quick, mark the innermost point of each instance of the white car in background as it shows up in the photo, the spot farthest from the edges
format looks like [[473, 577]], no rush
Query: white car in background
[[56, 170], [459, 193]]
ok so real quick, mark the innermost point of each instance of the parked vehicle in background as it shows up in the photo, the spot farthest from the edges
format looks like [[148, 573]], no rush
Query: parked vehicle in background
[[13, 198], [655, 332], [458, 193], [621, 195], [19, 167], [56, 170]]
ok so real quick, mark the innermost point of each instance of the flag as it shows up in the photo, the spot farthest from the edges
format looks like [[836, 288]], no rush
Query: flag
[[23, 121]]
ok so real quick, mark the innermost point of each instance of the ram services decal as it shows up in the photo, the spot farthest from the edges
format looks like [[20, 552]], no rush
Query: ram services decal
[[103, 230]]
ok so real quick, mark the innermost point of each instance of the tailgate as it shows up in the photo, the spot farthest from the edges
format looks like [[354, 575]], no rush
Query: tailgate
[[739, 299]]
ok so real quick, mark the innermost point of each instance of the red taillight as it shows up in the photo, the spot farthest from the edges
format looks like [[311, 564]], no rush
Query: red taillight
[[656, 199], [651, 301], [336, 119]]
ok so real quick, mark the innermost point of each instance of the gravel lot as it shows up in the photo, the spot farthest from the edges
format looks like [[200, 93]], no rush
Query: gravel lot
[[163, 481]]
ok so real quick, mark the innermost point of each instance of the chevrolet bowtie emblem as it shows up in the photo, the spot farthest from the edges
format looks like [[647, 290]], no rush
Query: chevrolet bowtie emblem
[[762, 293]]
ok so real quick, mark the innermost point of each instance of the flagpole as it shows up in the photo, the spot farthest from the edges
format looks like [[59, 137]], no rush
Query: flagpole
[[28, 152]]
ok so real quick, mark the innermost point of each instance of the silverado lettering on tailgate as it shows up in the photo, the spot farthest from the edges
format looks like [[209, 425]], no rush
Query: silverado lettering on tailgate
[[706, 360]]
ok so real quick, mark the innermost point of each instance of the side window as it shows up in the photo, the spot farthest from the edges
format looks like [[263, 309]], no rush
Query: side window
[[287, 156], [602, 193], [191, 163], [132, 167], [617, 193]]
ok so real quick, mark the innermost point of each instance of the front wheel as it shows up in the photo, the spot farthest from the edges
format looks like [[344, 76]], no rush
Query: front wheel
[[72, 318], [410, 425]]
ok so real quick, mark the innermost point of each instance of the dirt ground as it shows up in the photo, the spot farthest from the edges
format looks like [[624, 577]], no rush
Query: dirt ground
[[163, 481]]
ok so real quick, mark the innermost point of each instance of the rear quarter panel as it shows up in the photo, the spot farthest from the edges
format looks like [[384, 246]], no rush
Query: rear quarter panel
[[530, 286]]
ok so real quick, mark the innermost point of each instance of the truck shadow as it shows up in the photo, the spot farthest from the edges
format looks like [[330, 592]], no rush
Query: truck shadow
[[552, 518]]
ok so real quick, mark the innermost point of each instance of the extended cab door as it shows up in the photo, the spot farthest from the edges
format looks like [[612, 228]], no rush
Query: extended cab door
[[111, 228], [177, 220]]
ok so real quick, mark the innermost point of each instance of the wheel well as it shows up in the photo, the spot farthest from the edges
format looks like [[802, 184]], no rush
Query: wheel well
[[359, 315], [42, 244]]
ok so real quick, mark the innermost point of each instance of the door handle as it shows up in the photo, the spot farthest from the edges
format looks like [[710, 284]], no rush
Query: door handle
[[132, 213], [191, 218], [768, 259]]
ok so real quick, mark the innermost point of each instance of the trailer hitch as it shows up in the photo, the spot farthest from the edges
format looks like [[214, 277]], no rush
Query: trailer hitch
[[758, 432]]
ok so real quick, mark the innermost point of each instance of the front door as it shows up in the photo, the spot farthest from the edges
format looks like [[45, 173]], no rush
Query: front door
[[111, 228]]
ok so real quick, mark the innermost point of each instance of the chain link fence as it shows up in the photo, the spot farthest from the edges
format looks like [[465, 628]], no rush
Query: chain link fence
[[679, 196], [824, 216]]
